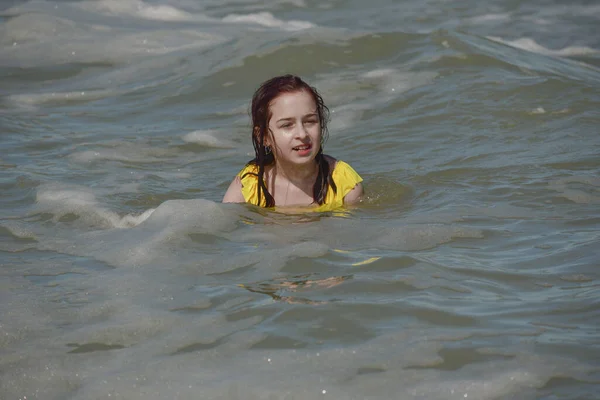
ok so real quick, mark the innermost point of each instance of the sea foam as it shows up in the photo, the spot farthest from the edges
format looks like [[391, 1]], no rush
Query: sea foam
[[61, 200], [208, 138], [267, 19], [531, 45], [140, 9]]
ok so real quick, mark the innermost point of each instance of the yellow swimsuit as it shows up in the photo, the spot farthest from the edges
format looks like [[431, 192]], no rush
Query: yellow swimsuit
[[343, 175]]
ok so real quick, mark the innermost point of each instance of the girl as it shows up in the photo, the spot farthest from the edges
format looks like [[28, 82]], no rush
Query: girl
[[289, 122]]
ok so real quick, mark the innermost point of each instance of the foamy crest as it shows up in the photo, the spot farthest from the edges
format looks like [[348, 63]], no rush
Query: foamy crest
[[539, 110], [346, 116], [32, 100], [139, 9], [57, 40], [486, 18], [123, 152], [267, 19], [559, 10], [197, 215], [162, 234], [82, 226], [81, 203], [372, 89], [392, 81], [379, 73], [531, 45], [208, 138]]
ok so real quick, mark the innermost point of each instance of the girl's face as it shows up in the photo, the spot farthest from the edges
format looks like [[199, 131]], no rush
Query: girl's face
[[294, 129]]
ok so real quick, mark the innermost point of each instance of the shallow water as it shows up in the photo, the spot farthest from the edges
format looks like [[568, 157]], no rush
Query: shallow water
[[470, 270]]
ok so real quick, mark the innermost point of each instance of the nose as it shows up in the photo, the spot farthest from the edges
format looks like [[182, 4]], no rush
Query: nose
[[302, 131]]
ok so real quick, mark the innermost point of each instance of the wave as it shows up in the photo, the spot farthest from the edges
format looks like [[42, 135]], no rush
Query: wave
[[531, 45]]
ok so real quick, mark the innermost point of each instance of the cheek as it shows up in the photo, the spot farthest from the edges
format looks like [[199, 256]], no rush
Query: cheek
[[280, 136], [275, 140]]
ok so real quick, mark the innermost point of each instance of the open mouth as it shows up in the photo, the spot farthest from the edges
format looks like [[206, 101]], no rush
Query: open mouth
[[303, 147]]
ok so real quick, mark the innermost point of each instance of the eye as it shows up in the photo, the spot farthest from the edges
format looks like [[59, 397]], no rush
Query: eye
[[311, 122], [286, 125]]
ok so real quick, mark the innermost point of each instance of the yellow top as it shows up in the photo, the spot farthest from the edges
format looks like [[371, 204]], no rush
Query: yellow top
[[344, 176]]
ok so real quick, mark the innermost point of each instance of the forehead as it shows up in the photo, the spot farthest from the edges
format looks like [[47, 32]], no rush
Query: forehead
[[293, 103]]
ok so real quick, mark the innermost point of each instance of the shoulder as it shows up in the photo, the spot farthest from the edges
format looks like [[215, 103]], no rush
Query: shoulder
[[249, 169], [234, 192], [344, 172], [348, 182], [243, 186], [335, 164], [331, 161]]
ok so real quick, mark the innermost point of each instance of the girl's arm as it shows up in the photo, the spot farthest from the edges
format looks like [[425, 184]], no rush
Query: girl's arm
[[234, 192], [355, 195]]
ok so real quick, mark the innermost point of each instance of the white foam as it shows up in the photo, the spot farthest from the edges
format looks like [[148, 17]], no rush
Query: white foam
[[379, 73], [139, 9], [297, 3], [493, 17], [61, 200], [208, 138], [267, 19], [531, 45], [123, 152], [540, 21], [163, 233], [185, 215], [33, 28], [56, 40], [346, 116], [399, 81], [539, 110], [82, 226], [31, 100], [559, 10], [349, 99]]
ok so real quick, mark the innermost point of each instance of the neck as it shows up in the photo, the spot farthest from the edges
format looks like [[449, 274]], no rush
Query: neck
[[300, 176]]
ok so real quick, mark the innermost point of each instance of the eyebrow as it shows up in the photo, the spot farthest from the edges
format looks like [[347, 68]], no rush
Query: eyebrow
[[292, 118]]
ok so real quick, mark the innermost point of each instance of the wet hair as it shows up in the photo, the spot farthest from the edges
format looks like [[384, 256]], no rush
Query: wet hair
[[261, 115]]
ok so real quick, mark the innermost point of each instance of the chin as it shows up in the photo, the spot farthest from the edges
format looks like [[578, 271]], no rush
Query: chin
[[307, 159]]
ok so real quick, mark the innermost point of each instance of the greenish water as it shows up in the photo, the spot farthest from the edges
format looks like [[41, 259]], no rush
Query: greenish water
[[469, 271]]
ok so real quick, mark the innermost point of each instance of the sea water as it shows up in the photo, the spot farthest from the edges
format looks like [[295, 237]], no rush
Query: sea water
[[470, 270]]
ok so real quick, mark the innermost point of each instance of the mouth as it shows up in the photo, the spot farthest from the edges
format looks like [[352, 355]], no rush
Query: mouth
[[303, 147]]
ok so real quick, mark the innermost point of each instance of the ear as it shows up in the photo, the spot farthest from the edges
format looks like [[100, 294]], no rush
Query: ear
[[267, 138]]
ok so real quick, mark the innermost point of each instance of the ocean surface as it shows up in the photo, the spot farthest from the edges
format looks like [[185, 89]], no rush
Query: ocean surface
[[470, 271]]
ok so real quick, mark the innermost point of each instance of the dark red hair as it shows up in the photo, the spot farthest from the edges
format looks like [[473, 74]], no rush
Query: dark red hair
[[261, 115]]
